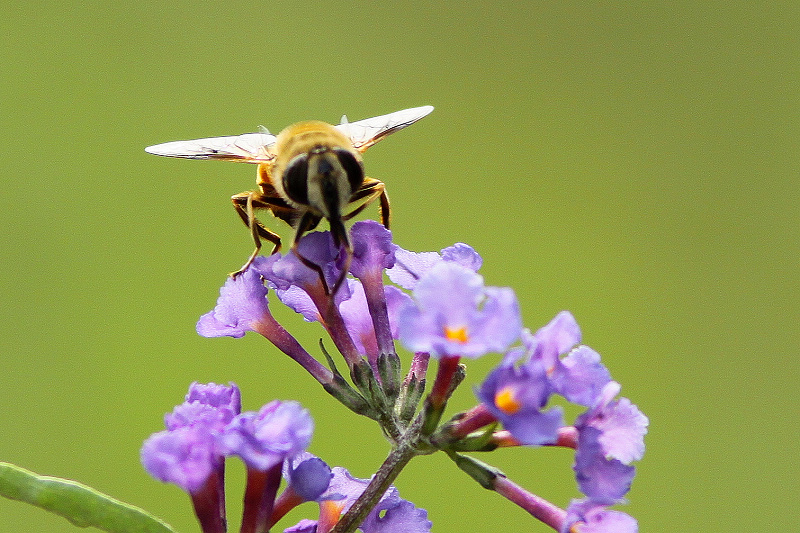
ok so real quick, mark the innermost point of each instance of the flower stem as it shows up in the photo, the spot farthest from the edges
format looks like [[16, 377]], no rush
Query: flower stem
[[209, 503], [567, 438], [285, 342], [372, 282], [491, 478], [288, 500], [474, 419], [259, 498], [334, 323], [386, 474], [448, 376], [538, 507]]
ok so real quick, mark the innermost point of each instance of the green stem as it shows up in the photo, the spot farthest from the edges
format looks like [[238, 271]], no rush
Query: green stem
[[386, 474]]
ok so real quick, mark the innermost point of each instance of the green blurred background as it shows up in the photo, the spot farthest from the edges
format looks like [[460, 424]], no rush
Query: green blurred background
[[635, 163]]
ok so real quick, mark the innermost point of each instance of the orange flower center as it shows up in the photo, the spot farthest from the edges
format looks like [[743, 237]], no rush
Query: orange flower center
[[329, 514], [456, 334], [506, 401]]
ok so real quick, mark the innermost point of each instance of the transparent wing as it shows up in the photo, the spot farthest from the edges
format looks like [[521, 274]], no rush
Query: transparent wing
[[246, 148], [365, 133]]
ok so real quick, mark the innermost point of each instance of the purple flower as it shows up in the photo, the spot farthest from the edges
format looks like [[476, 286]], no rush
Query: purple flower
[[463, 254], [300, 302], [212, 406], [409, 267], [373, 250], [294, 282], [553, 339], [289, 270], [308, 476], [264, 439], [610, 437], [400, 517], [516, 396], [455, 315], [391, 514], [242, 303], [605, 480], [222, 397], [185, 456], [579, 376], [187, 453], [346, 488], [619, 425], [595, 518], [358, 320]]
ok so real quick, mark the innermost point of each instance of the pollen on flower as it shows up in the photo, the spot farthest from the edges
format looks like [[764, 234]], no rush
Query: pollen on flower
[[506, 401], [456, 334]]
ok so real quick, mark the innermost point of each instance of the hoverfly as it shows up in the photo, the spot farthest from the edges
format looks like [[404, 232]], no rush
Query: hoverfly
[[309, 171]]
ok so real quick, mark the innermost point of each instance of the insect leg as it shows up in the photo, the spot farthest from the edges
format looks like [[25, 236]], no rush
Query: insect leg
[[348, 250], [371, 189], [306, 222], [245, 204]]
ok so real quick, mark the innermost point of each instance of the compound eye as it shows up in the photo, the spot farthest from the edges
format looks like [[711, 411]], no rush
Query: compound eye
[[295, 179], [352, 167]]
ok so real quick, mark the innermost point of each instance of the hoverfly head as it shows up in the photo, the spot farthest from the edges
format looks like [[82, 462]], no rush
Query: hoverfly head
[[323, 180]]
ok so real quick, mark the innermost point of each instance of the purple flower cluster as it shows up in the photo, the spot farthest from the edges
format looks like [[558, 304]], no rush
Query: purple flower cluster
[[210, 426], [450, 312], [454, 314], [609, 434], [439, 307], [188, 452]]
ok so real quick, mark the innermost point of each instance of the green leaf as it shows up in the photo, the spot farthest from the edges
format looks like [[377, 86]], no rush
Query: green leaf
[[81, 505]]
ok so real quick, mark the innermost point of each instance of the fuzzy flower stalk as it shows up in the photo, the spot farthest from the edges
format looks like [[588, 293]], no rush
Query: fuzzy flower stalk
[[439, 308]]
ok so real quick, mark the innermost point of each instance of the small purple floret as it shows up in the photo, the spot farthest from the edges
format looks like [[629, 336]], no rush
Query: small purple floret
[[409, 266], [455, 315], [187, 453], [211, 406], [185, 456], [309, 478], [358, 321], [595, 518], [373, 250], [525, 391], [554, 338], [464, 255], [242, 302], [580, 376], [264, 439], [293, 280], [226, 397], [317, 247], [402, 517], [391, 514], [621, 425], [600, 478]]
